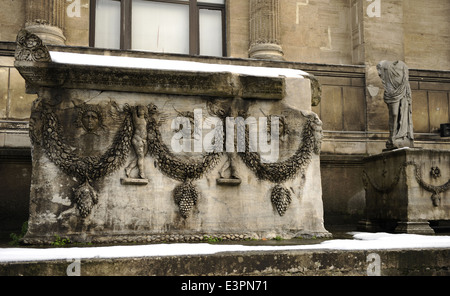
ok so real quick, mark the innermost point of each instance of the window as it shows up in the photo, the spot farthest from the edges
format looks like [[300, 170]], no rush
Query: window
[[195, 27]]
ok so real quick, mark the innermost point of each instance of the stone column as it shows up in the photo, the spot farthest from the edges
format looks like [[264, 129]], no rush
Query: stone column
[[45, 18], [265, 40]]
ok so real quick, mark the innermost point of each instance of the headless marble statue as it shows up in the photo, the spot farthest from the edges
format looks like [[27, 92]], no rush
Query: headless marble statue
[[397, 96]]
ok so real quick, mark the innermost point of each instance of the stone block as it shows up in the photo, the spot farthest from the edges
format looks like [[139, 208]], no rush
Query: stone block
[[112, 208], [407, 188], [355, 111], [421, 119], [438, 104], [17, 140], [332, 106], [4, 78]]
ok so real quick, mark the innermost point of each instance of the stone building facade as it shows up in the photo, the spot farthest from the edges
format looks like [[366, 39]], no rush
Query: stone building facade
[[339, 42]]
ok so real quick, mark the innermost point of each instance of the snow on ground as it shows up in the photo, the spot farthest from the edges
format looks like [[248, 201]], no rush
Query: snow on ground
[[360, 241], [174, 65]]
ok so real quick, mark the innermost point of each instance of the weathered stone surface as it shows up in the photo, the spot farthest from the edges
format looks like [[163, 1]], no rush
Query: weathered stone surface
[[415, 262], [216, 84], [46, 19], [407, 188], [148, 210]]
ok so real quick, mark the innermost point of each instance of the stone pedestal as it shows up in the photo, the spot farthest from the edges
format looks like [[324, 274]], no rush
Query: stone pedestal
[[405, 189]]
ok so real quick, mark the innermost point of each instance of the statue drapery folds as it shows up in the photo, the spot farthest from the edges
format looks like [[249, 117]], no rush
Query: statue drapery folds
[[397, 96]]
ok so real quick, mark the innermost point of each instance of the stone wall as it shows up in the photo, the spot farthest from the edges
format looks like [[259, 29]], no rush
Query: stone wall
[[345, 34], [427, 34]]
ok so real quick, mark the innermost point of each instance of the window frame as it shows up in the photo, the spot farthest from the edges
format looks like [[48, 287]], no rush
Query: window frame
[[194, 23]]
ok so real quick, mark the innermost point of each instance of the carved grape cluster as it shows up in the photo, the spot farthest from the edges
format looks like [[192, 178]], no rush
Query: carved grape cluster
[[186, 196], [281, 198], [85, 198]]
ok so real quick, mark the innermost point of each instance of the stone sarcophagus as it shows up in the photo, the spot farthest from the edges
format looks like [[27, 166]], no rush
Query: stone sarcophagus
[[147, 150]]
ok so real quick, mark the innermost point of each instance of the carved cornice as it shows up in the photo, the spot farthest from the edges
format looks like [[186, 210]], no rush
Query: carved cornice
[[429, 75], [219, 84], [33, 61]]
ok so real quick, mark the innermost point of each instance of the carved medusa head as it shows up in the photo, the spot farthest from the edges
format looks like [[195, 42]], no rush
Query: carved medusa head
[[90, 118]]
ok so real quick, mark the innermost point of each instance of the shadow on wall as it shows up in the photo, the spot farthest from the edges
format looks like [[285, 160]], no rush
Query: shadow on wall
[[14, 196]]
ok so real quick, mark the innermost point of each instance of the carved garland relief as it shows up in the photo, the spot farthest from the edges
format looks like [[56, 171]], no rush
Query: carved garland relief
[[434, 190], [140, 132], [86, 169]]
